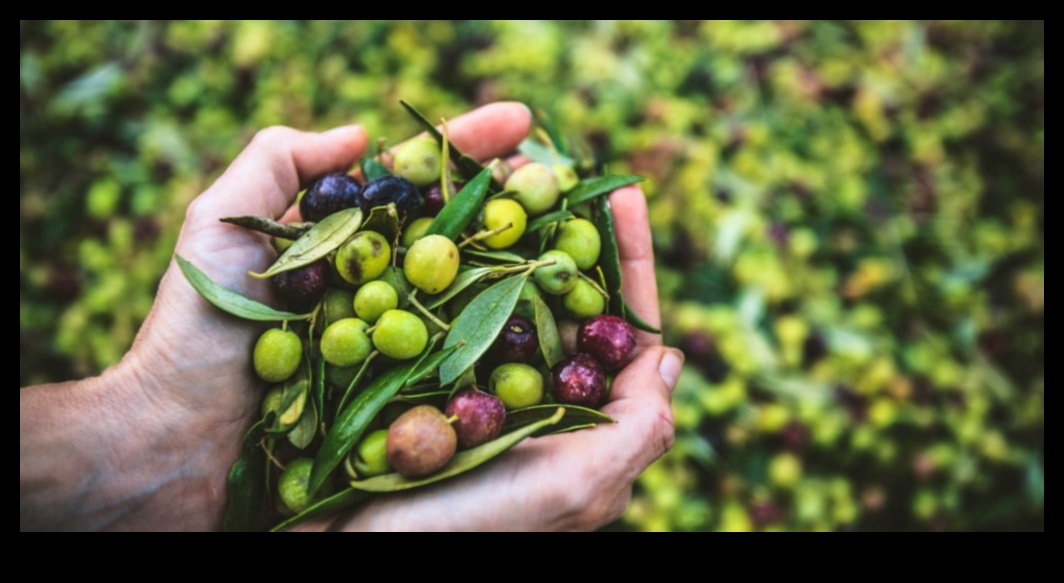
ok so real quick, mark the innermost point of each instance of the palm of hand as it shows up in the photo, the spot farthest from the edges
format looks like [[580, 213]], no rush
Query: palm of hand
[[575, 481]]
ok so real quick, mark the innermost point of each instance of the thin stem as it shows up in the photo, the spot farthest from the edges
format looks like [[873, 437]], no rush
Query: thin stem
[[354, 382], [595, 285], [425, 312], [269, 456], [484, 235]]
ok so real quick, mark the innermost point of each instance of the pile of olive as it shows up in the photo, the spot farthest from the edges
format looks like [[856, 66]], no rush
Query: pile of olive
[[436, 314]]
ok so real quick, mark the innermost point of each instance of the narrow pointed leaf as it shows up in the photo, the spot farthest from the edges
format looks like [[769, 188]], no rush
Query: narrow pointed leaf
[[267, 227], [231, 302], [478, 326], [461, 283], [457, 215], [372, 169], [499, 256], [462, 463], [575, 417], [247, 482], [550, 341], [592, 188], [329, 507], [466, 165], [321, 240], [610, 260], [548, 220]]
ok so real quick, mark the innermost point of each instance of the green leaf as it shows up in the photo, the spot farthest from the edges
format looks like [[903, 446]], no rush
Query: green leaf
[[610, 260], [330, 506], [321, 240], [550, 341], [372, 169], [575, 418], [466, 165], [593, 188], [231, 302], [462, 463], [319, 391], [461, 283], [353, 421], [383, 220], [548, 220], [302, 435], [456, 215], [267, 227], [500, 256], [434, 398], [539, 153], [247, 482], [635, 320], [478, 326]]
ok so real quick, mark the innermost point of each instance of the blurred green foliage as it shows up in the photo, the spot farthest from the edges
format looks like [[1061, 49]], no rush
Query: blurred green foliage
[[849, 217]]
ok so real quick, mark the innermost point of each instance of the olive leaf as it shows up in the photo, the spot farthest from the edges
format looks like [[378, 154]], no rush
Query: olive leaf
[[302, 435], [478, 326], [592, 188], [550, 342], [610, 260], [247, 482], [353, 421], [322, 239], [328, 507], [466, 165], [539, 153], [231, 302], [383, 220], [435, 398], [462, 463], [575, 418], [461, 283], [372, 169], [548, 220], [319, 392], [456, 215], [610, 267], [500, 256], [267, 227]]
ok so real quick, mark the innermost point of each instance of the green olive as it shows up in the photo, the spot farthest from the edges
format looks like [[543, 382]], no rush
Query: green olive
[[500, 213], [416, 230], [559, 278], [373, 299], [431, 264], [370, 458], [400, 335], [581, 240], [364, 258], [293, 486], [517, 386], [419, 161], [277, 355], [567, 178], [345, 343], [536, 188], [584, 301]]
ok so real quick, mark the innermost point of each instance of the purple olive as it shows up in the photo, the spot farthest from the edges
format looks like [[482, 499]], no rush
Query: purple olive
[[393, 189], [610, 340], [332, 194], [517, 343], [480, 417], [434, 202], [579, 380], [302, 289]]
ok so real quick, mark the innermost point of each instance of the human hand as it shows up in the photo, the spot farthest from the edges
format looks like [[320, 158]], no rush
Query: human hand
[[578, 481], [148, 445]]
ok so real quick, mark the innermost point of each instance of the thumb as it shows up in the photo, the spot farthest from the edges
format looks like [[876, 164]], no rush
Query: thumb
[[641, 404]]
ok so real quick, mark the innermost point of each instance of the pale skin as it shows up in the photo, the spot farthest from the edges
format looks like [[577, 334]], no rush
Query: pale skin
[[147, 446]]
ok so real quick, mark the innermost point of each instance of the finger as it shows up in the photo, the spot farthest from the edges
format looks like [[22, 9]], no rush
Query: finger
[[277, 164], [491, 131], [637, 258], [640, 402]]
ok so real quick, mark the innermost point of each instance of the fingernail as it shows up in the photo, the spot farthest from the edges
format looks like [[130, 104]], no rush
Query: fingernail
[[343, 130], [671, 367]]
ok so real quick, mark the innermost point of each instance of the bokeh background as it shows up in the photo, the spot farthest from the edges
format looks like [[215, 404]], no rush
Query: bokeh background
[[849, 217]]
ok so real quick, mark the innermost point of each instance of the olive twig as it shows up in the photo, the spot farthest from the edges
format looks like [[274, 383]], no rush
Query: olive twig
[[595, 285], [484, 235], [269, 456], [425, 312]]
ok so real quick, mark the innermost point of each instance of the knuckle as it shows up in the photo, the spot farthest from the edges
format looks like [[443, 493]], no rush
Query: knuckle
[[663, 429]]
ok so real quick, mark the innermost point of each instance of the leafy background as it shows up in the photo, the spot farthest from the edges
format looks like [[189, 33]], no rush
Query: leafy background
[[849, 217]]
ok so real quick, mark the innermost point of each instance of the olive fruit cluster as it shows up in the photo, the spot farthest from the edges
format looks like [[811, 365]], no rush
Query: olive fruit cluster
[[417, 322]]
